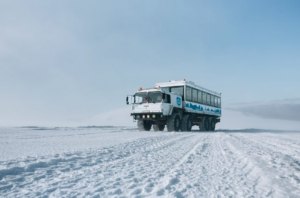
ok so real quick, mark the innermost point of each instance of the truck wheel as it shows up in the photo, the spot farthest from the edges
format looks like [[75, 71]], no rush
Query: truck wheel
[[186, 123], [212, 123], [158, 127], [207, 124], [173, 122], [204, 125], [144, 125]]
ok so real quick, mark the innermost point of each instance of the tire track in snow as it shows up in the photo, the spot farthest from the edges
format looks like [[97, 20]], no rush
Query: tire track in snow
[[145, 172], [287, 147], [247, 177], [173, 183], [75, 169], [165, 165], [215, 168], [282, 169]]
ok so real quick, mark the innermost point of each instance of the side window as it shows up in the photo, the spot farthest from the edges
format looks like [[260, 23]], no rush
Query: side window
[[177, 90], [219, 101], [188, 93], [208, 99], [212, 100], [199, 97], [167, 99], [195, 95], [216, 101], [203, 97]]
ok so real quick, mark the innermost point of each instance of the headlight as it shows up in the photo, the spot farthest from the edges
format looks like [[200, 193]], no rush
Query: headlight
[[153, 116]]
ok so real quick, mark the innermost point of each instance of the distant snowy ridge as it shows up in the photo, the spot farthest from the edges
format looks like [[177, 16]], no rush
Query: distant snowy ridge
[[121, 117], [230, 120]]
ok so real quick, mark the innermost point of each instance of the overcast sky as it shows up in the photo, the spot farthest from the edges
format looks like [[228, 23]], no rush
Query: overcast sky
[[70, 60]]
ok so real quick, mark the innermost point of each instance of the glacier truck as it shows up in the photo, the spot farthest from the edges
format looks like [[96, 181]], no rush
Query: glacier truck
[[179, 105]]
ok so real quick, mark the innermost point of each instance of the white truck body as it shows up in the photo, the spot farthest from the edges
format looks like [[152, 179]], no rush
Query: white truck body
[[177, 104], [190, 106]]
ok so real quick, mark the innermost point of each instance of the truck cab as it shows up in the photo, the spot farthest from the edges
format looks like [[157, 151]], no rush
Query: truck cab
[[153, 107]]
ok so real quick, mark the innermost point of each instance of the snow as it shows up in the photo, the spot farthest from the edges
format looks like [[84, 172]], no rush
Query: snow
[[123, 162]]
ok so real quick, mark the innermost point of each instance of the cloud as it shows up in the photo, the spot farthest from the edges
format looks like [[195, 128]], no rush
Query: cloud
[[232, 119], [285, 109]]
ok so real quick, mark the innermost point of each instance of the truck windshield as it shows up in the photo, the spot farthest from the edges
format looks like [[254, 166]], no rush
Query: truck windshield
[[140, 98], [151, 97], [155, 97]]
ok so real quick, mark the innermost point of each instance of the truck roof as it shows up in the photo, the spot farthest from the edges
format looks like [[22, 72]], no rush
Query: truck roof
[[189, 83], [152, 90], [148, 90]]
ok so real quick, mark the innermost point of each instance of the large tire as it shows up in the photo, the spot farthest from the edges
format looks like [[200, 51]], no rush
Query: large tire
[[158, 127], [207, 124], [204, 125], [173, 122], [212, 123], [144, 125], [186, 123]]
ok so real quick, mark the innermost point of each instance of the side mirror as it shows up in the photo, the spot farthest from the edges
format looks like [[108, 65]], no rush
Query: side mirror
[[127, 100], [163, 96]]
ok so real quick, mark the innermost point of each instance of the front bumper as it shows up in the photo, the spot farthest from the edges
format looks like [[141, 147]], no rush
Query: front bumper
[[148, 116]]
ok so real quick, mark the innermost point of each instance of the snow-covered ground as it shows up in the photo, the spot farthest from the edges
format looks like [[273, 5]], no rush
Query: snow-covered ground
[[122, 162]]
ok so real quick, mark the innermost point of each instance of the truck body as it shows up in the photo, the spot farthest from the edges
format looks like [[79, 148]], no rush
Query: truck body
[[179, 105]]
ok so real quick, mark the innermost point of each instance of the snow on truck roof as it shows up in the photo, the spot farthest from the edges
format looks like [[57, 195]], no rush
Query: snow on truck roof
[[188, 83]]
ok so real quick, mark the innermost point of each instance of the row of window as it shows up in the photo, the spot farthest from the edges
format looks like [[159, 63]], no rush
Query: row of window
[[202, 97]]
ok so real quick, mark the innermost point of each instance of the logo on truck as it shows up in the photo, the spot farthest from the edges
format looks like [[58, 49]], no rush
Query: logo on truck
[[178, 101]]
